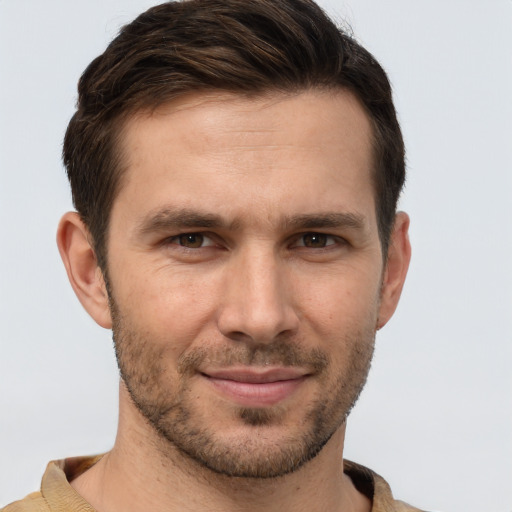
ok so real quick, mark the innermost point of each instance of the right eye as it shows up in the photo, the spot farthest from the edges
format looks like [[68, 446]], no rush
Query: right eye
[[191, 240]]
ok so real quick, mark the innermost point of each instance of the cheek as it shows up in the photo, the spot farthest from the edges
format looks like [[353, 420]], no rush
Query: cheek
[[173, 307], [340, 300]]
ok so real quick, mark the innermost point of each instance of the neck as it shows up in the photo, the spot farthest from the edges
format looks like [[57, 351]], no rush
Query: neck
[[140, 474]]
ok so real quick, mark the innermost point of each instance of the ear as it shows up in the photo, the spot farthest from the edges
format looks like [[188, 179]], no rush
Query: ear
[[399, 256], [86, 278]]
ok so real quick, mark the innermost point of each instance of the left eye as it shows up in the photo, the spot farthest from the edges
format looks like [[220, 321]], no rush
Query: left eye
[[192, 240], [315, 240]]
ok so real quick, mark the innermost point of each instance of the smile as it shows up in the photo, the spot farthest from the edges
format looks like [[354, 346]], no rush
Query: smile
[[256, 388]]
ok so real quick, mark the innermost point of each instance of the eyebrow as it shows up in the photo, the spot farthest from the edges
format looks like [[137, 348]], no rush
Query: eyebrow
[[325, 220], [171, 218], [183, 218]]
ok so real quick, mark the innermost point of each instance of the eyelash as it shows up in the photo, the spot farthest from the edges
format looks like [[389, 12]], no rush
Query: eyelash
[[176, 240], [321, 237], [325, 240]]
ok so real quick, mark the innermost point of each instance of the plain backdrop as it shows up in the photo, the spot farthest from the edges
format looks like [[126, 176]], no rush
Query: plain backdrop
[[436, 416]]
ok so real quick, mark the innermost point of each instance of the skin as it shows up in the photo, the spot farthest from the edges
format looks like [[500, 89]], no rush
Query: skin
[[247, 283]]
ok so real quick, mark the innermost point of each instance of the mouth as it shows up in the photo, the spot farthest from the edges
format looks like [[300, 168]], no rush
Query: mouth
[[256, 387]]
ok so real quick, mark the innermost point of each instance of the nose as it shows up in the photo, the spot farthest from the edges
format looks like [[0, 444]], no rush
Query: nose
[[257, 302]]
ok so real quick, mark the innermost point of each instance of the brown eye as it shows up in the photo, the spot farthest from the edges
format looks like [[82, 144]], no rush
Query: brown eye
[[191, 240], [315, 240]]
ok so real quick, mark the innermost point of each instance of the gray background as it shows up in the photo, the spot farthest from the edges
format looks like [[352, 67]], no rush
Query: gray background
[[436, 416]]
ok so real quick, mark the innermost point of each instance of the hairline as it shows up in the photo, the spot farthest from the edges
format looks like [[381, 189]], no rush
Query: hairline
[[117, 127]]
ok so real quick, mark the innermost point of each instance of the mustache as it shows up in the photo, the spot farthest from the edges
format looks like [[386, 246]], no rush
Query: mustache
[[277, 353]]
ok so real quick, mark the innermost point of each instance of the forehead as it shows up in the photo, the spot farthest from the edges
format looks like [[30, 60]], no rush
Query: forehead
[[264, 153]]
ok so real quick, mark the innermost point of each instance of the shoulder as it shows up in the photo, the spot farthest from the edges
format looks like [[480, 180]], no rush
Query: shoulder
[[34, 502], [375, 488], [401, 506], [56, 492]]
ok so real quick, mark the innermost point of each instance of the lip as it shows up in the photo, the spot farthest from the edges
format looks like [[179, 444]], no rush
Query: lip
[[256, 387]]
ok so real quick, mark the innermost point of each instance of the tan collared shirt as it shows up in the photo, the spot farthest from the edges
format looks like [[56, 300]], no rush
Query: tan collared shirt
[[57, 495]]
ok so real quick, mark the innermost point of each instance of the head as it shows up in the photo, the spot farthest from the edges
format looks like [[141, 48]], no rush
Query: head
[[246, 47], [236, 167]]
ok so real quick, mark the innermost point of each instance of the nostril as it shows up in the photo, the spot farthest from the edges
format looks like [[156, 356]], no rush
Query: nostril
[[238, 336]]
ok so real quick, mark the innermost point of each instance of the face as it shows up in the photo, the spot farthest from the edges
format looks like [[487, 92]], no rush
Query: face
[[245, 272]]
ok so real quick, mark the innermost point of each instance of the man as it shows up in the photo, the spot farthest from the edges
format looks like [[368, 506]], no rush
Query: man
[[235, 167]]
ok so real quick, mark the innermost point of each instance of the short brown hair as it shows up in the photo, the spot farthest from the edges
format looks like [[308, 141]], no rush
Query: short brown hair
[[242, 46]]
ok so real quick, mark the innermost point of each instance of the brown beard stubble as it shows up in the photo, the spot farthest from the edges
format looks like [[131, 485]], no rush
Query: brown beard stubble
[[142, 368]]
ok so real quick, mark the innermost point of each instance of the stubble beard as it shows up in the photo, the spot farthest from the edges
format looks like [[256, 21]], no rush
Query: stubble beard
[[181, 426]]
